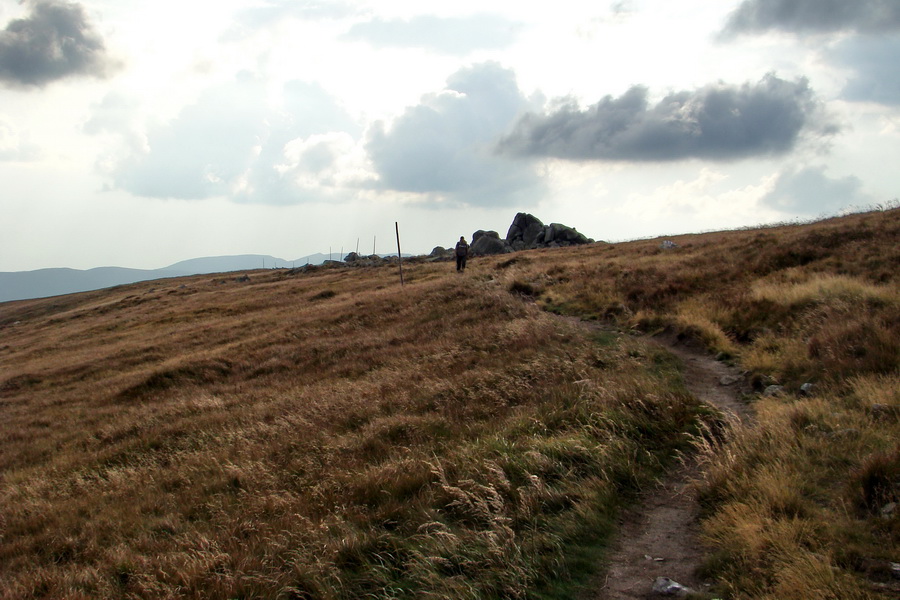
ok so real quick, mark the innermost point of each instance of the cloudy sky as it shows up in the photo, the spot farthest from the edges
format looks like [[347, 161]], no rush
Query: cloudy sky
[[140, 133]]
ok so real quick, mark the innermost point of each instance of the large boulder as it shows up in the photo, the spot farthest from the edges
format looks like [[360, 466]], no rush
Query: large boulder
[[527, 229], [563, 235], [488, 242]]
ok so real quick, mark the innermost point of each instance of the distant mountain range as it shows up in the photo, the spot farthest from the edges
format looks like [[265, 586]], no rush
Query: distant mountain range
[[42, 283]]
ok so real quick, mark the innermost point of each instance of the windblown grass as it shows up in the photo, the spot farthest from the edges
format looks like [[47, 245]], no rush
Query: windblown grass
[[798, 506], [797, 290], [325, 433], [795, 504], [318, 434]]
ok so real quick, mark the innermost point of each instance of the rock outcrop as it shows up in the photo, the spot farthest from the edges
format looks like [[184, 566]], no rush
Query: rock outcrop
[[525, 233], [488, 242]]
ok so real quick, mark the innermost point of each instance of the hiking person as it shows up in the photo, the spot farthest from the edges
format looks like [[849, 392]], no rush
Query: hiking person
[[462, 251]]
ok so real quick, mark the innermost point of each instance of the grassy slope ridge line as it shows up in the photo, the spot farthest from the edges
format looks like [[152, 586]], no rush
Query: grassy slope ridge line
[[803, 506], [324, 434]]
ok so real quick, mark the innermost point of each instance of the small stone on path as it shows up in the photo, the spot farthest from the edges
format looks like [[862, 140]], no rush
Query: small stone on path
[[729, 380], [667, 587]]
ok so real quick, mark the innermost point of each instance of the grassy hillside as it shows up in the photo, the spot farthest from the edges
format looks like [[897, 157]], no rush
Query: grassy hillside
[[801, 505], [321, 434], [327, 433]]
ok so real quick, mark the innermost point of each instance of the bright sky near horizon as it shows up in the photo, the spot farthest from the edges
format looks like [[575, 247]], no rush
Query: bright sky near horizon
[[139, 134]]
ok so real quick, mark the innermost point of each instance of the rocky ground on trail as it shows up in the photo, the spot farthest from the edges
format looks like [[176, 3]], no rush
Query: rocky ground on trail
[[657, 546]]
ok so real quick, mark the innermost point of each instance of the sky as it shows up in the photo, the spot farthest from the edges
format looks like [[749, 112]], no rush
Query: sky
[[139, 134]]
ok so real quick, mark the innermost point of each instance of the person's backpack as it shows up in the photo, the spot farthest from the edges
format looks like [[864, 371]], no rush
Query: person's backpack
[[462, 249]]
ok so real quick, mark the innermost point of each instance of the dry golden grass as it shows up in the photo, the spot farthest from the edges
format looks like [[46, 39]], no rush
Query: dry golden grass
[[803, 288], [316, 434], [794, 505], [328, 434]]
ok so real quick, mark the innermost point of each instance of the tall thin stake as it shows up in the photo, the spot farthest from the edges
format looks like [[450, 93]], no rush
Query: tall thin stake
[[399, 256]]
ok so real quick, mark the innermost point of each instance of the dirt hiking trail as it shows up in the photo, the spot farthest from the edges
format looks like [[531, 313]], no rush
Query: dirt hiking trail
[[658, 537]]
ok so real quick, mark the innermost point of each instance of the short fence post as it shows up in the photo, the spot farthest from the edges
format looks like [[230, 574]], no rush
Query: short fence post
[[399, 256]]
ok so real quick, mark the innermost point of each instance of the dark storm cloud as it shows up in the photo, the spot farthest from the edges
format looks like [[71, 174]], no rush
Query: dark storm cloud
[[457, 35], [875, 68], [444, 145], [814, 16], [870, 56], [229, 143], [717, 122], [54, 42], [809, 192]]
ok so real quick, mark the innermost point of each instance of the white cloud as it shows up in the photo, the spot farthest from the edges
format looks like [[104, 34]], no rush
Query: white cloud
[[228, 143], [330, 163], [239, 119], [808, 191], [443, 148], [14, 145], [708, 200], [451, 35]]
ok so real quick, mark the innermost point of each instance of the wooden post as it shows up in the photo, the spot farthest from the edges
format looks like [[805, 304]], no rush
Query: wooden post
[[399, 256]]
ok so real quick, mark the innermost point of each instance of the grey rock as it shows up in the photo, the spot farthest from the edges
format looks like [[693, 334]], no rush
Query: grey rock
[[563, 234], [666, 587], [773, 391], [532, 233], [488, 242], [525, 228], [806, 389], [729, 380], [888, 510], [668, 245], [549, 233]]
